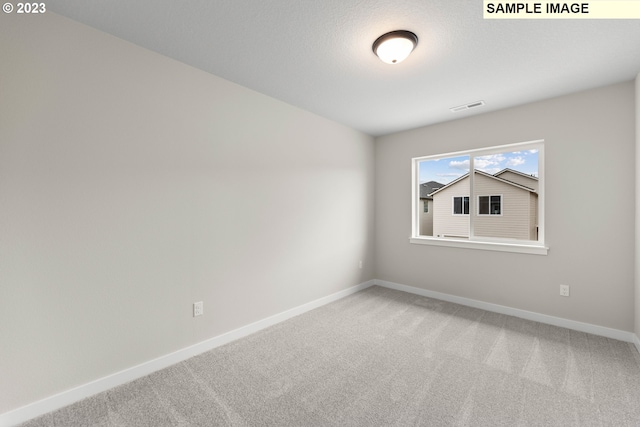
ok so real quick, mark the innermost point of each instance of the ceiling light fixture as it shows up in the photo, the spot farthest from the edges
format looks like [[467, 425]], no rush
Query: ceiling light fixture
[[394, 47]]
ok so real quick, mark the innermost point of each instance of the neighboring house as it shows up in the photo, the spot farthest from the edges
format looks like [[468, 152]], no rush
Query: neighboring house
[[426, 206], [506, 204], [518, 177]]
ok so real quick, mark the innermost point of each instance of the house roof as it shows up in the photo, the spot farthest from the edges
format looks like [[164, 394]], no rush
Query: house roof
[[506, 181], [426, 188], [516, 172]]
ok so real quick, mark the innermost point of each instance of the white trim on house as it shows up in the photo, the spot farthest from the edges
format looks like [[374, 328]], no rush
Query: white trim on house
[[76, 394], [488, 175], [497, 174], [506, 181], [453, 205], [449, 184]]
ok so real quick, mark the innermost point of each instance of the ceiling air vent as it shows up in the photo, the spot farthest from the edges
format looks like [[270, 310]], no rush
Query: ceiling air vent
[[467, 106]]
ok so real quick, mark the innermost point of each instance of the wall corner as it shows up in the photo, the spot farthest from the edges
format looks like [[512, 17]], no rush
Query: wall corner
[[637, 215]]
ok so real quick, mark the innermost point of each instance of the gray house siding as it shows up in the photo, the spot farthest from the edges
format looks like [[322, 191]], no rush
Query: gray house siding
[[518, 209], [445, 223], [426, 218], [513, 221]]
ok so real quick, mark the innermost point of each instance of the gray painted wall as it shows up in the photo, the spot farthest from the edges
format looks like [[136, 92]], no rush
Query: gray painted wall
[[132, 185], [590, 210]]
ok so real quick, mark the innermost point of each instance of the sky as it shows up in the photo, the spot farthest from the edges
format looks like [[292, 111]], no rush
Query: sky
[[447, 169]]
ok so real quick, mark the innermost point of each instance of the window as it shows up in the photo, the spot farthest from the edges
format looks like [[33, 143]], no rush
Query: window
[[489, 205], [490, 198], [461, 205], [426, 206]]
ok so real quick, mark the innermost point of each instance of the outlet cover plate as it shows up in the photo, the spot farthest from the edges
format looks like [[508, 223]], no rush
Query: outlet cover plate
[[198, 308]]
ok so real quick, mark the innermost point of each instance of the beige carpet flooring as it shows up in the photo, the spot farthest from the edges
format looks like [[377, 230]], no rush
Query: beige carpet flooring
[[385, 358]]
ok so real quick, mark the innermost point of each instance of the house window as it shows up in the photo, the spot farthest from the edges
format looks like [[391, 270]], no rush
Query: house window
[[490, 198], [426, 206], [489, 205], [461, 205]]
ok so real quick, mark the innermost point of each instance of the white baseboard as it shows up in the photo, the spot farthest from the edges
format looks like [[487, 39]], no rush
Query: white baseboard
[[636, 342], [76, 394], [529, 315]]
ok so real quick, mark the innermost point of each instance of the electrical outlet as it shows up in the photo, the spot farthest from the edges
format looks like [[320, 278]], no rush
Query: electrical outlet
[[360, 265], [564, 290], [198, 308]]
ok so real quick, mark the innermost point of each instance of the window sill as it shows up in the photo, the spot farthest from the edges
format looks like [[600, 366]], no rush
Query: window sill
[[485, 246]]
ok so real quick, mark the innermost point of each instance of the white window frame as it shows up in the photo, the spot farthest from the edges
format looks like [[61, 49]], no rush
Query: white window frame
[[476, 242], [453, 205], [490, 196]]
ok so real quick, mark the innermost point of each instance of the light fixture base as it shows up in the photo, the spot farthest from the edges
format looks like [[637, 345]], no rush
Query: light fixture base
[[395, 46]]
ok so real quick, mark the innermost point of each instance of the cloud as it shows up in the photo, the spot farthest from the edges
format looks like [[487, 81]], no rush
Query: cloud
[[492, 161], [489, 164], [496, 158], [534, 151], [483, 164], [448, 175], [463, 165], [491, 171], [515, 161]]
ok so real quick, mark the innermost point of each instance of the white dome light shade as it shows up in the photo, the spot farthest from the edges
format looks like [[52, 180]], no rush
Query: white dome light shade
[[394, 47]]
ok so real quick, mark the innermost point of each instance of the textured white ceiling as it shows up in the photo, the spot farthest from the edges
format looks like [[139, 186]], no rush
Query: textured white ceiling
[[316, 54]]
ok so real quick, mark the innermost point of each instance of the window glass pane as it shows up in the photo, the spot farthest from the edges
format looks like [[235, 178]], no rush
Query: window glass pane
[[495, 205], [507, 188], [457, 205], [444, 185], [483, 205]]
